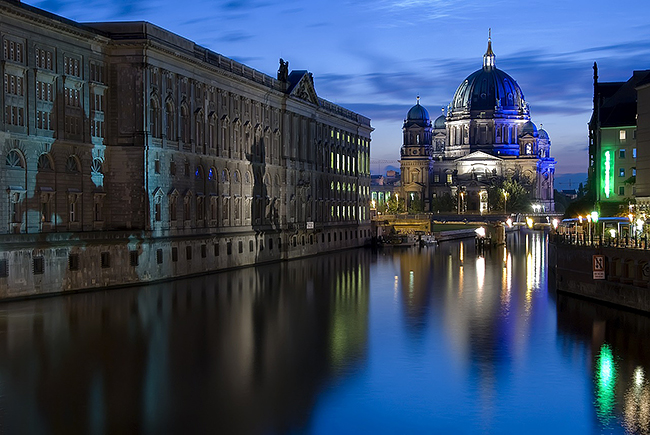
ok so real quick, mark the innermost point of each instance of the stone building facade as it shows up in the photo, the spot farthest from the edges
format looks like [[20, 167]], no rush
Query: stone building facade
[[133, 154], [620, 110], [487, 133]]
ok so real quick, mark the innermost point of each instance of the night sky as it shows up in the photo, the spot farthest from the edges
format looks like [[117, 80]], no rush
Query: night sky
[[375, 57]]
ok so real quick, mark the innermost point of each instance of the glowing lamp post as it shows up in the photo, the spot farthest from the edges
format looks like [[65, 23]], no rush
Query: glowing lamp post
[[505, 201]]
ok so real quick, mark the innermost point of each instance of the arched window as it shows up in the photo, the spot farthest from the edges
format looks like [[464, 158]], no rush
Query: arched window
[[15, 160], [96, 167], [198, 173], [224, 176], [44, 163], [72, 165], [154, 118], [200, 127], [169, 121], [185, 124], [211, 174]]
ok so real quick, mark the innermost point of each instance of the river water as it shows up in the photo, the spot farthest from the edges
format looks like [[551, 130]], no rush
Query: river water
[[432, 340]]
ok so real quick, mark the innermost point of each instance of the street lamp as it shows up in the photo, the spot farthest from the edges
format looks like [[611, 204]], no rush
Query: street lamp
[[505, 200]]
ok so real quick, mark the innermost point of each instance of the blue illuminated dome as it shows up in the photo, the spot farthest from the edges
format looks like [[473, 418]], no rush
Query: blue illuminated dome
[[543, 134], [417, 113], [489, 89], [529, 128]]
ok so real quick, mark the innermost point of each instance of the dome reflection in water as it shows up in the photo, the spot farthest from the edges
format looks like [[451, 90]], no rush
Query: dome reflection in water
[[438, 339]]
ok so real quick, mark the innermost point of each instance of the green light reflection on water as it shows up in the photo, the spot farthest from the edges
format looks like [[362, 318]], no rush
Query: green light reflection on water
[[605, 383]]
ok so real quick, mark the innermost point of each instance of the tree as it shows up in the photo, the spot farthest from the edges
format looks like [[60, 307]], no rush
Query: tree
[[394, 206], [443, 203], [416, 206]]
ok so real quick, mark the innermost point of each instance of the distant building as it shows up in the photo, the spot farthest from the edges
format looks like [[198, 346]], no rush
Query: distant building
[[613, 139], [486, 136], [132, 154]]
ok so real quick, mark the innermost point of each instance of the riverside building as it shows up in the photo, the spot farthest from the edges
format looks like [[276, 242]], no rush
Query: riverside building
[[132, 154]]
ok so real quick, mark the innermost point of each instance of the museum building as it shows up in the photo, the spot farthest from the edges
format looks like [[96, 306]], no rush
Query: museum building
[[486, 135], [132, 154]]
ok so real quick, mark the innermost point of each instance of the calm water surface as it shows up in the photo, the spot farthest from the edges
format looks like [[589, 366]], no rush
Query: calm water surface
[[438, 340]]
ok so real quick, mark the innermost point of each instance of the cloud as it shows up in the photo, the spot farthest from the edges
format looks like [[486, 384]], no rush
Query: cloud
[[235, 37]]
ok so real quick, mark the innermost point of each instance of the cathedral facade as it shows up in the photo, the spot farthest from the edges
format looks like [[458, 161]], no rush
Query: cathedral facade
[[472, 153]]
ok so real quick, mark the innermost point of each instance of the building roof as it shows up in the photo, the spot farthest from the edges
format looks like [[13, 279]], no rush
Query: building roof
[[618, 100]]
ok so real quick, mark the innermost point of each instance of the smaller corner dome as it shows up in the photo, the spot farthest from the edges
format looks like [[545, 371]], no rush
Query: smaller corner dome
[[529, 128], [440, 121], [418, 113], [543, 134]]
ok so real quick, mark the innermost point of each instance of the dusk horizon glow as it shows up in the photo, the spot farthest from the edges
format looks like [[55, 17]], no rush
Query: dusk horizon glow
[[375, 57]]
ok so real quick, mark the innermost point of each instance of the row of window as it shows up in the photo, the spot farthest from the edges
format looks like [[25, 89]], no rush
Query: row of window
[[44, 58], [38, 262], [621, 152], [16, 160]]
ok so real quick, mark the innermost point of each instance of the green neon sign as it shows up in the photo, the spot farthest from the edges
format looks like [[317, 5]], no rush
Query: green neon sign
[[607, 182]]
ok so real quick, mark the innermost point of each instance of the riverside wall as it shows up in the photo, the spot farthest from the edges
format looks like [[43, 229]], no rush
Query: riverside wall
[[627, 274]]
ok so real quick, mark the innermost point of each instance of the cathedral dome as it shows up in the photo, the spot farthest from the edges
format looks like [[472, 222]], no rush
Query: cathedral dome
[[529, 128], [440, 121], [417, 113], [488, 89], [543, 134]]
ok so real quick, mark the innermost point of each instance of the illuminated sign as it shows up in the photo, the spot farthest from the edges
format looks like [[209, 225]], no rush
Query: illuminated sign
[[608, 186]]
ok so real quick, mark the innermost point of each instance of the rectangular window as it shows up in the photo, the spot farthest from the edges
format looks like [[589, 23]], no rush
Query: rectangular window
[[621, 153], [105, 259], [38, 265], [621, 190], [621, 135], [216, 249], [634, 152], [73, 261], [251, 246], [450, 178], [621, 172], [174, 254], [158, 212], [133, 258], [159, 256], [204, 251], [229, 248], [188, 252], [241, 246], [634, 172], [156, 166], [4, 268]]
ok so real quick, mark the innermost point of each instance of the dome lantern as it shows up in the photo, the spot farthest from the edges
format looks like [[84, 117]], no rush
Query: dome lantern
[[489, 56]]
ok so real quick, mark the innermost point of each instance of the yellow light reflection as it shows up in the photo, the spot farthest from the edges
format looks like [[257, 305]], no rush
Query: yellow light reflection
[[480, 273], [636, 405]]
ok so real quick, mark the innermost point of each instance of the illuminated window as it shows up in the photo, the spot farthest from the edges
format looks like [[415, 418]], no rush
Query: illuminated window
[[621, 172], [634, 172], [621, 135], [450, 178], [634, 152]]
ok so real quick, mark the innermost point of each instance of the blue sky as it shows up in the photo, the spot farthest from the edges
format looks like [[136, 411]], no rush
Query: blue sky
[[376, 56]]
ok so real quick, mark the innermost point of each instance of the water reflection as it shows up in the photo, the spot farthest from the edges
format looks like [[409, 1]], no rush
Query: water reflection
[[488, 317], [245, 352], [612, 341]]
